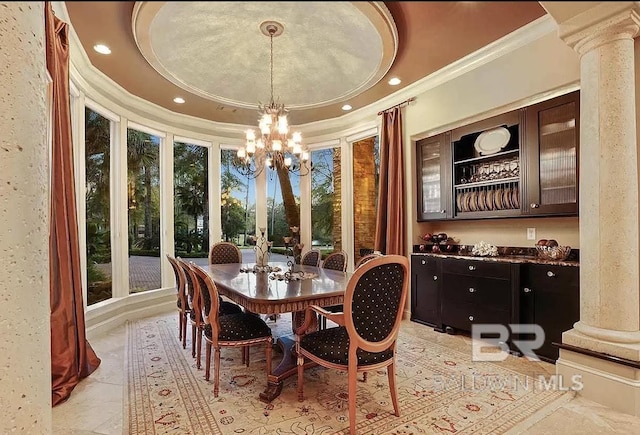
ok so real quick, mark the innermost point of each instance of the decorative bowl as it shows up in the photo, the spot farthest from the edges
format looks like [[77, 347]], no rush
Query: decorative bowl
[[557, 253]]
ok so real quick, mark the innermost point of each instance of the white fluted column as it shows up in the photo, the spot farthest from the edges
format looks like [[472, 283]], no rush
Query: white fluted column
[[609, 220], [609, 324], [25, 360]]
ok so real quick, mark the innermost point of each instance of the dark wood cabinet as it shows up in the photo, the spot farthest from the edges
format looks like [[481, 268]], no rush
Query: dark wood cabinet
[[475, 291], [550, 297], [425, 290], [517, 164], [433, 157], [551, 156]]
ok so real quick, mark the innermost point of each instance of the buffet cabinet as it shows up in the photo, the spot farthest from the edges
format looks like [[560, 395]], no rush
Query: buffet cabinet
[[520, 163], [550, 297], [425, 290], [477, 292], [453, 294]]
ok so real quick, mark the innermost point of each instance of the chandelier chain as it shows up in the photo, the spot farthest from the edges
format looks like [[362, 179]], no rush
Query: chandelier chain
[[271, 62]]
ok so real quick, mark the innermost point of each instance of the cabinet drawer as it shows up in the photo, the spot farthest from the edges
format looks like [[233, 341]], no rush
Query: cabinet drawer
[[490, 292], [462, 315], [477, 268], [540, 276]]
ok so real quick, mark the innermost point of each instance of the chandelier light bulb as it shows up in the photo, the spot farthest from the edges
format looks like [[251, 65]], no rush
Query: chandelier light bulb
[[297, 137], [241, 153], [297, 149], [304, 156], [276, 145], [266, 119], [267, 162], [260, 144], [251, 135], [287, 161], [251, 147]]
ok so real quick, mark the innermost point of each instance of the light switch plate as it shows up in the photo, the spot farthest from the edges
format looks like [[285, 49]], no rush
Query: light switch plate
[[531, 233]]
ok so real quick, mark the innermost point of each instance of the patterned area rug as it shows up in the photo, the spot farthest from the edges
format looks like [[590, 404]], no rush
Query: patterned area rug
[[441, 390]]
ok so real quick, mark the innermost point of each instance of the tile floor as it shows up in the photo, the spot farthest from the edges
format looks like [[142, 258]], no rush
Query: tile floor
[[96, 404]]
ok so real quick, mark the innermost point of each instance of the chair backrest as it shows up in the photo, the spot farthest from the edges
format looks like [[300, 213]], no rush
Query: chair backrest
[[374, 302], [192, 291], [312, 258], [367, 258], [336, 261], [181, 282], [224, 253], [209, 296]]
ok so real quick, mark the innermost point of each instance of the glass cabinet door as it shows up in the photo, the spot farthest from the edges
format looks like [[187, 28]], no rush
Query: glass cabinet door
[[433, 158], [552, 149]]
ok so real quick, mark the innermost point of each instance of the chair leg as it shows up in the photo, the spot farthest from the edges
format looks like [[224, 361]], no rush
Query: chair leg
[[353, 376], [216, 371], [184, 331], [198, 348], [180, 317], [193, 340], [247, 351], [391, 373], [300, 378], [207, 363]]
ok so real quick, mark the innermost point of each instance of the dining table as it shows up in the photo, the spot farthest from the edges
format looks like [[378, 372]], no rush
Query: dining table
[[277, 288]]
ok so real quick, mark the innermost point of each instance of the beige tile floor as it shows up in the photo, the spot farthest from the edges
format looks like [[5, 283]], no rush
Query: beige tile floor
[[96, 404]]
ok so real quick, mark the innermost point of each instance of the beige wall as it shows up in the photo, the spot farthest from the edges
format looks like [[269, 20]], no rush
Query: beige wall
[[528, 73]]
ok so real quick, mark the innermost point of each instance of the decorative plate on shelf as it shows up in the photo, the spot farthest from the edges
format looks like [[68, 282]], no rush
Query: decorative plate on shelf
[[491, 141]]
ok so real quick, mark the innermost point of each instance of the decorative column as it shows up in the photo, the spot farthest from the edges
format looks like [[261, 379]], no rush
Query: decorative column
[[25, 360], [609, 326]]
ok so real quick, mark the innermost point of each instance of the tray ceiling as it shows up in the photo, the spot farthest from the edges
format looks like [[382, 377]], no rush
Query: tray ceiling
[[214, 55]]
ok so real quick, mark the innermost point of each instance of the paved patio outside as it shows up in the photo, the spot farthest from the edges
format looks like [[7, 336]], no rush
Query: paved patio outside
[[144, 272]]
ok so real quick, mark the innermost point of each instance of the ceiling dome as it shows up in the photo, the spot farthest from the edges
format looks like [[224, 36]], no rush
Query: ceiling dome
[[328, 52]]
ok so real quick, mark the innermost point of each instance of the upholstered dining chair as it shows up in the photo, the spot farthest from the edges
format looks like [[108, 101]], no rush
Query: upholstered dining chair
[[224, 253], [240, 329], [312, 258], [336, 261], [368, 328], [195, 316], [184, 308]]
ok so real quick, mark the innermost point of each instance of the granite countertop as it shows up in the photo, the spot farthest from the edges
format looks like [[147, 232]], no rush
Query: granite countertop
[[507, 255]]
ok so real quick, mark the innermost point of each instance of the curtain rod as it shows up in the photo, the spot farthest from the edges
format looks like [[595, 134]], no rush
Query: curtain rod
[[404, 103]]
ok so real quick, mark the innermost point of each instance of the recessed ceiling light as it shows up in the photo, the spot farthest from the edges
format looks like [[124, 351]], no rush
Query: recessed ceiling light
[[346, 107], [394, 81], [102, 49], [178, 100]]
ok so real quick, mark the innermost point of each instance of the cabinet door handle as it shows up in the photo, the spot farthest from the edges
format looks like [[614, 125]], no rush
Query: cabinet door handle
[[534, 205], [472, 268], [527, 290], [443, 211], [550, 274], [435, 277], [471, 318], [424, 261], [471, 290]]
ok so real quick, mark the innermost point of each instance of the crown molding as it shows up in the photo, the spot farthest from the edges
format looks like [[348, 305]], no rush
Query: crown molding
[[104, 91]]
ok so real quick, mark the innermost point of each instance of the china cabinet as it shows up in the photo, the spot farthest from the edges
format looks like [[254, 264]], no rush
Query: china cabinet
[[551, 157], [486, 167], [433, 158], [517, 164]]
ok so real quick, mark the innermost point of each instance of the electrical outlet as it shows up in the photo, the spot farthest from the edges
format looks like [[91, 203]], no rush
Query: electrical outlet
[[531, 233]]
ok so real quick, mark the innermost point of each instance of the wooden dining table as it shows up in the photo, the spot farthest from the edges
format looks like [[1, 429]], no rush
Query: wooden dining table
[[259, 293]]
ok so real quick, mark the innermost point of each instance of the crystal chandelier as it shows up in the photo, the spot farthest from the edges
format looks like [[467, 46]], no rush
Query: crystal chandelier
[[272, 147]]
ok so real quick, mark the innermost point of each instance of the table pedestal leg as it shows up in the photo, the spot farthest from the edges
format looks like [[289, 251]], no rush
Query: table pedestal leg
[[288, 364]]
